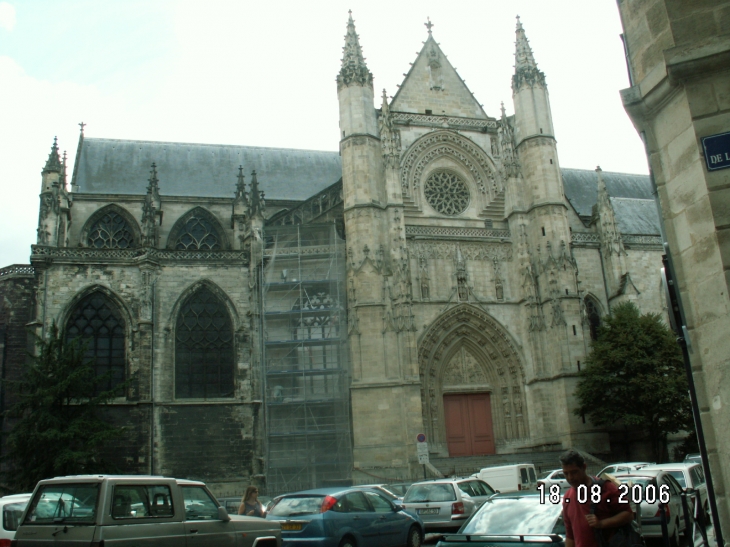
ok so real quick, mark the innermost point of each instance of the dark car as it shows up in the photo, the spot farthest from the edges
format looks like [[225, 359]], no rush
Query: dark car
[[344, 517], [508, 518]]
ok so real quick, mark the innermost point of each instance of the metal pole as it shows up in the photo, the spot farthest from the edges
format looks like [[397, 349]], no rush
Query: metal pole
[[424, 471]]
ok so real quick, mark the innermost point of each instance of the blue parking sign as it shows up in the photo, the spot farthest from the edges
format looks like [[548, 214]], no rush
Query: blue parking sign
[[717, 151]]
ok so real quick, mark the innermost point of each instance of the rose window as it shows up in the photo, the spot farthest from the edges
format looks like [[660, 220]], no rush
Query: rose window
[[446, 192]]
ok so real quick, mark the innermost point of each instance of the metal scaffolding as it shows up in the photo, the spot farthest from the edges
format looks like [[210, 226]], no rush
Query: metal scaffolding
[[306, 370]]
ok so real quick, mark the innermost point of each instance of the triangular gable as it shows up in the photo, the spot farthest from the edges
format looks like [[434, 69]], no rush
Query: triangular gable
[[433, 84]]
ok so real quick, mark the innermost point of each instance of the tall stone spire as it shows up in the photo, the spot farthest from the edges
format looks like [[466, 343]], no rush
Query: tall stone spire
[[256, 203], [526, 71], [354, 71], [151, 210], [53, 164]]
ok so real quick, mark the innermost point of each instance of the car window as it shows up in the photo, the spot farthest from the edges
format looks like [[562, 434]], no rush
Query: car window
[[481, 488], [419, 493], [467, 488], [560, 476], [523, 473], [679, 475], [199, 505], [673, 490], [701, 474], [11, 515], [544, 474], [56, 503], [356, 503], [379, 503], [301, 505], [697, 478], [532, 474], [139, 501]]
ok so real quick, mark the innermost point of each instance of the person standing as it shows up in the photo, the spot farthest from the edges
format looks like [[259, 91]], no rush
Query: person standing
[[585, 521], [250, 504]]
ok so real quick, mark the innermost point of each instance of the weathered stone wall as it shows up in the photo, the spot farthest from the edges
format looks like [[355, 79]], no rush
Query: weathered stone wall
[[678, 55]]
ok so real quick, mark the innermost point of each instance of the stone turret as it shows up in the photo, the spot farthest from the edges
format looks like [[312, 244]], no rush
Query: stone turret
[[151, 210], [54, 216], [239, 215]]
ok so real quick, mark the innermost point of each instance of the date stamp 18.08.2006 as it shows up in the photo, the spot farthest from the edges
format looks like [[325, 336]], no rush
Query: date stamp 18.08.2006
[[636, 493]]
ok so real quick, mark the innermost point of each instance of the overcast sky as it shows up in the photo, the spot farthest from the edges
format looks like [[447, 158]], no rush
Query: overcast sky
[[258, 73]]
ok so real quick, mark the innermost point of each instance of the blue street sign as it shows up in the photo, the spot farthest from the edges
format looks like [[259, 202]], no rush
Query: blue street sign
[[717, 151]]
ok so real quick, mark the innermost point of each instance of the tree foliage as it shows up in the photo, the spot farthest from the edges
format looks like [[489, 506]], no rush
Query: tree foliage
[[635, 377], [59, 429]]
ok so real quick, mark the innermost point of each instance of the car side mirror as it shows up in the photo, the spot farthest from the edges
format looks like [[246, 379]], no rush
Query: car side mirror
[[223, 514], [397, 507]]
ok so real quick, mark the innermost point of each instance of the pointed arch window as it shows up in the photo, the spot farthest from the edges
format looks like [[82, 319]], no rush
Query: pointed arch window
[[594, 317], [99, 324], [203, 348], [198, 234], [110, 231]]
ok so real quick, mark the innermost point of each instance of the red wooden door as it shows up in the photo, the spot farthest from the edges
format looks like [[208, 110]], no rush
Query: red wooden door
[[469, 424]]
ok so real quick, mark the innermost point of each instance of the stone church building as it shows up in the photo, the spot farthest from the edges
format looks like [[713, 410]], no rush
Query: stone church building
[[296, 318]]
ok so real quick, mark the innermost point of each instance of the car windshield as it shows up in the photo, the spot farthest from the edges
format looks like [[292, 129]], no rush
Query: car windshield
[[12, 513], [516, 516], [297, 505], [679, 475], [544, 475], [55, 503], [421, 493]]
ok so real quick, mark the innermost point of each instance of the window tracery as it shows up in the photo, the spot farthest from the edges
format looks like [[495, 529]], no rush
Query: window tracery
[[110, 231], [447, 193], [203, 348], [198, 233], [99, 324]]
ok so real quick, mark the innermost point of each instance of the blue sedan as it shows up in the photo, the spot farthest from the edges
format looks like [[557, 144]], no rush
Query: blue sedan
[[344, 517]]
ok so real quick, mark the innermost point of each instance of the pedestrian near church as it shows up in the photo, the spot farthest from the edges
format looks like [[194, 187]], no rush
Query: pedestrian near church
[[250, 504], [592, 512]]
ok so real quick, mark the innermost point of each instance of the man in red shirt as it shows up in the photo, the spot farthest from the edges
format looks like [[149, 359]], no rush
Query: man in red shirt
[[581, 524]]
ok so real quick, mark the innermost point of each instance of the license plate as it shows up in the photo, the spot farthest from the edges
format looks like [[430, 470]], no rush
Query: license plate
[[291, 526], [434, 511]]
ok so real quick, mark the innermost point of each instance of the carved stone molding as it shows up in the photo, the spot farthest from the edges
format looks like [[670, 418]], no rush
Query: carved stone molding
[[447, 232], [39, 252], [428, 120], [470, 251], [447, 143]]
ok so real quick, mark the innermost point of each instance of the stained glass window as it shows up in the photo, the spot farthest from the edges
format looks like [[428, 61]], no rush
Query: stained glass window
[[446, 192], [110, 231], [198, 233], [98, 322], [203, 348]]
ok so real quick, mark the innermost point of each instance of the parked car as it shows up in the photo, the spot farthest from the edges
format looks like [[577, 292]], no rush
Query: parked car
[[344, 517], [556, 476], [12, 509], [399, 488], [619, 468], [652, 483], [444, 504], [688, 475], [510, 478], [143, 511], [501, 520]]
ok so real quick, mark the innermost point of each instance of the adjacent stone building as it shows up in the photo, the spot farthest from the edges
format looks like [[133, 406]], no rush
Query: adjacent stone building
[[441, 274], [679, 59]]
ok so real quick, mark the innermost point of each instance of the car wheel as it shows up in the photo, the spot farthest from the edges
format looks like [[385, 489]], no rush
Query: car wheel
[[415, 539], [348, 541]]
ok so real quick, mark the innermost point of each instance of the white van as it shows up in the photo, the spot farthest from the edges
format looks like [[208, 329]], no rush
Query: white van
[[510, 478]]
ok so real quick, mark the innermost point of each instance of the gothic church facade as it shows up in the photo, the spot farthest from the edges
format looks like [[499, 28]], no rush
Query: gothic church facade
[[440, 274]]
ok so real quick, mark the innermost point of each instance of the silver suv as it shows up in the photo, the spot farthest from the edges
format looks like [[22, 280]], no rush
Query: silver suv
[[444, 504]]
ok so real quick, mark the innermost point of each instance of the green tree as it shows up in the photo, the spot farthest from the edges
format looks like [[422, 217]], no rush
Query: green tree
[[635, 377], [60, 429]]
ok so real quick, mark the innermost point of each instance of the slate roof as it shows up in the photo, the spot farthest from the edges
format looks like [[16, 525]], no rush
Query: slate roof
[[631, 197], [636, 216], [113, 166]]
